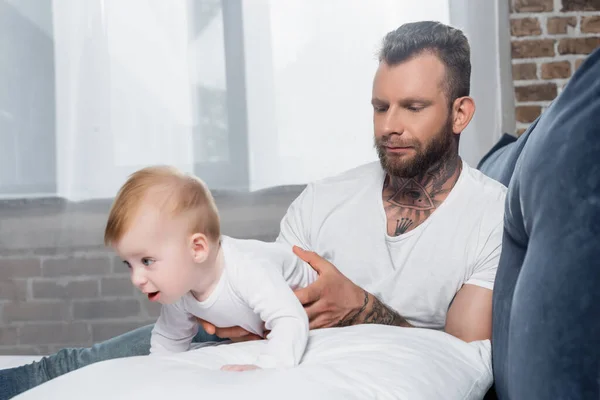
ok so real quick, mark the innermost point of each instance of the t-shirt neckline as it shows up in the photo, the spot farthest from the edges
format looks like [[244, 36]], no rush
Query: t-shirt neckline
[[419, 228]]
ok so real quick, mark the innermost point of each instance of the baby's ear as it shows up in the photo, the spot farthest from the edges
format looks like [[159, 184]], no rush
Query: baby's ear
[[200, 247]]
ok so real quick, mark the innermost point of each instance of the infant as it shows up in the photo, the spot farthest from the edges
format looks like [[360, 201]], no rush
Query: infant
[[165, 226]]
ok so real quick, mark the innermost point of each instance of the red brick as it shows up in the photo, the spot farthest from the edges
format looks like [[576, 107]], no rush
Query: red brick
[[590, 24], [556, 70], [527, 114], [559, 25], [532, 48], [538, 92], [578, 45], [533, 5], [578, 63], [525, 27], [524, 71], [580, 5]]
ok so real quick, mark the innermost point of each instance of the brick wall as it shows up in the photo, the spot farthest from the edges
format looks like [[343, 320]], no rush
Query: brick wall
[[59, 286], [549, 40], [48, 301]]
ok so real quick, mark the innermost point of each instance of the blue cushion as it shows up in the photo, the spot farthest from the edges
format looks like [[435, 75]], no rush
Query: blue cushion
[[546, 322], [490, 164]]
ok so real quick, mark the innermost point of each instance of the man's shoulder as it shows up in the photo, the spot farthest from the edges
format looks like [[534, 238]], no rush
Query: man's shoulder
[[355, 176], [484, 187], [484, 198]]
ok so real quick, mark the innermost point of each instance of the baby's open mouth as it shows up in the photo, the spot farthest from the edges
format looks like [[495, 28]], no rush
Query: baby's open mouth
[[153, 296]]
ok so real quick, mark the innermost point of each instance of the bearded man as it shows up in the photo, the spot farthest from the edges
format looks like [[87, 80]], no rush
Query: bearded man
[[413, 240]]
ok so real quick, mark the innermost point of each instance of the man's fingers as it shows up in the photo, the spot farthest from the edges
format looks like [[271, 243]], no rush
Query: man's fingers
[[308, 294], [207, 326], [235, 333], [313, 311], [231, 332], [318, 323], [307, 256], [315, 261], [246, 338]]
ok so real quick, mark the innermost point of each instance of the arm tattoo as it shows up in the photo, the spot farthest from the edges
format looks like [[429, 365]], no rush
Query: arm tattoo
[[351, 319], [379, 314], [384, 315]]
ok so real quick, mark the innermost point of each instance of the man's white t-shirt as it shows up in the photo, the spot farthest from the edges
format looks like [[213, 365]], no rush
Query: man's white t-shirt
[[419, 272], [255, 286]]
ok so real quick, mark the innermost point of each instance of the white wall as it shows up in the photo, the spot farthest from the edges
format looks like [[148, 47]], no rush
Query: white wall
[[309, 71], [485, 23]]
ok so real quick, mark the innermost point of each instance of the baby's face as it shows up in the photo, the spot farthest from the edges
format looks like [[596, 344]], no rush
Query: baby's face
[[158, 252]]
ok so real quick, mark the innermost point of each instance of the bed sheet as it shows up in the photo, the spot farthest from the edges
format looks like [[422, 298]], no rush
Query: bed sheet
[[352, 363]]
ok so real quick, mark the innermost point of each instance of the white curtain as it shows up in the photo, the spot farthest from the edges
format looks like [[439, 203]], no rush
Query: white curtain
[[309, 68], [142, 82], [127, 74], [123, 92]]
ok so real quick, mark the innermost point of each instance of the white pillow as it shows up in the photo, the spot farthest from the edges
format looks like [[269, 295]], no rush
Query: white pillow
[[358, 362]]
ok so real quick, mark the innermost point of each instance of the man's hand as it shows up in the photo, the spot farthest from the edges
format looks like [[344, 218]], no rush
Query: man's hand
[[234, 333], [333, 299]]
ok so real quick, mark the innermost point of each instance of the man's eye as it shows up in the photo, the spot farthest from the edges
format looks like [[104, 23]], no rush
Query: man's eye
[[127, 264], [414, 109], [379, 109], [147, 261]]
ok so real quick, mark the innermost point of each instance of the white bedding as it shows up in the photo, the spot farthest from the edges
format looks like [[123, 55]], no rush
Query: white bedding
[[358, 362]]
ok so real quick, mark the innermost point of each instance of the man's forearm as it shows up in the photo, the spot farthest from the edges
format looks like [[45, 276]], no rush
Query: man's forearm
[[374, 311]]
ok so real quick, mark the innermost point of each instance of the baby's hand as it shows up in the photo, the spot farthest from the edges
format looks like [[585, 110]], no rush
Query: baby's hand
[[239, 368]]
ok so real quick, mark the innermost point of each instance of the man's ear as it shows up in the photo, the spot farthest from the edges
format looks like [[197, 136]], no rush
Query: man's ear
[[200, 247], [462, 113]]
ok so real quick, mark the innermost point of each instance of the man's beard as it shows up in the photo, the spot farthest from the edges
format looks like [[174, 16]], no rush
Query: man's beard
[[402, 166]]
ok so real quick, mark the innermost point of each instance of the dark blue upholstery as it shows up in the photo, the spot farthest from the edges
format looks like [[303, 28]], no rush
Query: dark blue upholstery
[[488, 163], [546, 322]]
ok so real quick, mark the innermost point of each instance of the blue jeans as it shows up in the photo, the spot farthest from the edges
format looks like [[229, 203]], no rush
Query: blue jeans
[[135, 343]]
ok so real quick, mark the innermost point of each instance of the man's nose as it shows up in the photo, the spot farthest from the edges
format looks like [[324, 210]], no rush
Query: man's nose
[[392, 122], [138, 277]]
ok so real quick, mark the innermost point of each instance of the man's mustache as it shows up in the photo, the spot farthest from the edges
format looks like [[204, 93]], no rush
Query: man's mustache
[[388, 142]]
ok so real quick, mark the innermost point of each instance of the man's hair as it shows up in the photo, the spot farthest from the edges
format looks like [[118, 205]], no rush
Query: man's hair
[[449, 44], [173, 192]]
